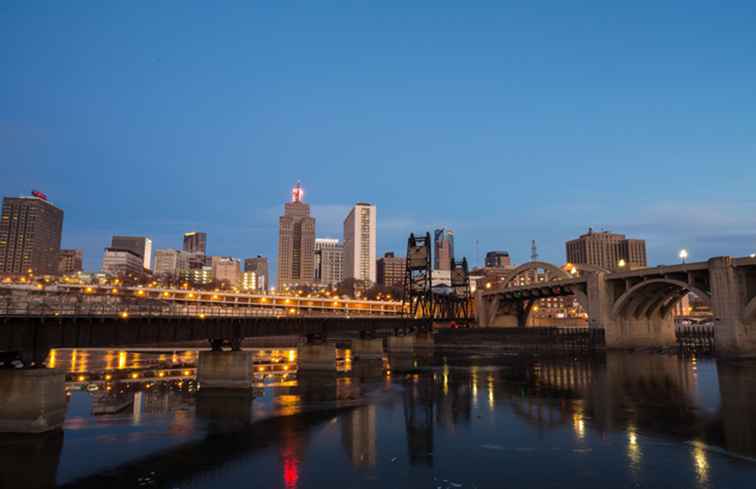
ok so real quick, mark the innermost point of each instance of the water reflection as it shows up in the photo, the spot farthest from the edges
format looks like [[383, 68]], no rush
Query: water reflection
[[634, 412]]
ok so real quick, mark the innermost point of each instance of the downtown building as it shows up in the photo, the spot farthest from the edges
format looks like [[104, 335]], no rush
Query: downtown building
[[140, 245], [195, 242], [70, 262], [296, 242], [498, 259], [360, 242], [443, 249], [30, 233], [120, 262], [607, 250], [329, 261], [227, 269], [390, 270], [255, 275]]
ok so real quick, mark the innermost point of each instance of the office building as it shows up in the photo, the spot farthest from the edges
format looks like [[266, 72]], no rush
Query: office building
[[443, 249], [329, 261], [195, 242], [140, 245], [121, 262], [390, 270], [227, 269], [255, 276], [30, 231], [359, 243], [296, 242], [498, 259], [198, 276], [607, 250], [70, 262]]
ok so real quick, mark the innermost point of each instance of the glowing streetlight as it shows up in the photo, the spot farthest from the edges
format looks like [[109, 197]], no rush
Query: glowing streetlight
[[683, 255], [752, 255], [621, 263]]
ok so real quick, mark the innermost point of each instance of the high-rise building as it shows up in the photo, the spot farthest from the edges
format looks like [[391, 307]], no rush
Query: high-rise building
[[498, 259], [607, 250], [70, 261], [359, 242], [30, 231], [255, 275], [227, 269], [390, 270], [120, 262], [443, 244], [296, 241], [140, 245], [329, 261], [195, 242]]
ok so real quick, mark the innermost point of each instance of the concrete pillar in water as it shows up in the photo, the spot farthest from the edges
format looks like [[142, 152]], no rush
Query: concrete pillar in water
[[734, 332], [316, 373], [367, 358], [317, 358], [225, 370], [33, 400], [401, 350]]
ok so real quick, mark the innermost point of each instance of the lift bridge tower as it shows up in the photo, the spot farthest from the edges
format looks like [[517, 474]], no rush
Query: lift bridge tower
[[418, 280], [424, 299]]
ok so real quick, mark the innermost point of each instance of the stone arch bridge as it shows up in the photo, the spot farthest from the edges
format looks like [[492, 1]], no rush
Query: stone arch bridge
[[634, 307]]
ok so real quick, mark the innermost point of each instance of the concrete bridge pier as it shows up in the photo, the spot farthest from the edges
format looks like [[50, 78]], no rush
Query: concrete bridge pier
[[367, 358], [401, 352], [33, 400], [225, 370], [733, 298]]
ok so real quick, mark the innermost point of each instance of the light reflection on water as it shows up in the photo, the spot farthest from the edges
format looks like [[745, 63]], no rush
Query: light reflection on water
[[460, 421]]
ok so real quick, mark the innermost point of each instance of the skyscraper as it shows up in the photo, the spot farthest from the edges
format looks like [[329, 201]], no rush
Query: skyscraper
[[359, 242], [70, 261], [443, 249], [195, 242], [30, 231], [256, 270], [296, 241], [391, 270], [498, 259], [607, 250], [139, 245], [329, 261]]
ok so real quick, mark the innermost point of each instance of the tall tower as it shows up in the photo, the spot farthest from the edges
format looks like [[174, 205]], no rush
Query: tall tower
[[30, 229], [359, 242], [296, 241], [443, 252], [533, 251]]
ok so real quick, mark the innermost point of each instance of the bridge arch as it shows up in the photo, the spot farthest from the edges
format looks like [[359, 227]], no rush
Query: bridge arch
[[534, 266], [749, 313], [654, 297]]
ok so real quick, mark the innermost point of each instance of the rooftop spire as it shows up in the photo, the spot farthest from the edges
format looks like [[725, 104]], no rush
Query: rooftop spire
[[297, 193]]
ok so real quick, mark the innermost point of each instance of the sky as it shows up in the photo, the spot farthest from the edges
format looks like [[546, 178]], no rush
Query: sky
[[505, 121]]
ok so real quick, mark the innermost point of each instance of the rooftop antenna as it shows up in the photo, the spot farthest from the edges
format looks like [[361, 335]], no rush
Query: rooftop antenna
[[533, 251]]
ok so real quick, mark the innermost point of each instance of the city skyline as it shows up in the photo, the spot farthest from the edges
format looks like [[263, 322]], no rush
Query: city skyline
[[658, 146]]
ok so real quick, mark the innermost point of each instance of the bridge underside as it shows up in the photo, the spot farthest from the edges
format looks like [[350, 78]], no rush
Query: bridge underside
[[34, 337]]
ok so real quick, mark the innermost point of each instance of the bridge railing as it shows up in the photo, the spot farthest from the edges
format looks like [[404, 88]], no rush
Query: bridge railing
[[695, 338]]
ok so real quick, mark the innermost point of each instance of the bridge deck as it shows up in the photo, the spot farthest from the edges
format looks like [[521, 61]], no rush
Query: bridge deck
[[36, 335]]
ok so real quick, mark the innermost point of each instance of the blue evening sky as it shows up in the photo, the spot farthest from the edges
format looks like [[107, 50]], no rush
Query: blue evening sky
[[506, 121]]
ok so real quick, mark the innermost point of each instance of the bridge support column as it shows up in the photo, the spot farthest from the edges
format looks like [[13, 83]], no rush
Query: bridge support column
[[316, 358], [225, 370], [33, 400], [401, 352], [734, 335], [367, 358]]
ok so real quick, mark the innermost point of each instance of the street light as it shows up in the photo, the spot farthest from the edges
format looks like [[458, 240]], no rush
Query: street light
[[621, 263], [683, 255]]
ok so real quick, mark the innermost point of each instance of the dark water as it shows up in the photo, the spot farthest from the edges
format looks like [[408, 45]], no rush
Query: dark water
[[463, 421]]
